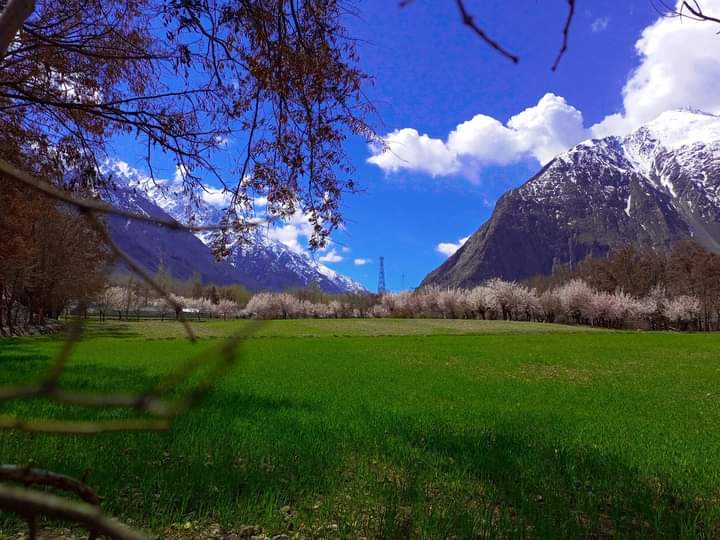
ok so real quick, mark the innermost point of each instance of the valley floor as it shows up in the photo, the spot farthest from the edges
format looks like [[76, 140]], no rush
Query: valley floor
[[397, 429]]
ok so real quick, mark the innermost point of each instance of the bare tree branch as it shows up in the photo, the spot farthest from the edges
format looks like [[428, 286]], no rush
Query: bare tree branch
[[30, 476], [139, 270], [697, 12], [99, 206], [81, 427], [11, 20], [469, 21], [565, 33], [28, 503]]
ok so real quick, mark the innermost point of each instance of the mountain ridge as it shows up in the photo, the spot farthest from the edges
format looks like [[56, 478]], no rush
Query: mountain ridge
[[263, 264], [656, 186]]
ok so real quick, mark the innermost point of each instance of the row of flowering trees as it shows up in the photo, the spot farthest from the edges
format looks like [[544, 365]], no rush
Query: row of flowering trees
[[574, 302], [675, 280], [126, 302], [288, 306], [130, 303]]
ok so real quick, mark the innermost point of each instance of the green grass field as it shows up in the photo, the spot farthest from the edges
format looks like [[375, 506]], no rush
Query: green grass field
[[401, 429]]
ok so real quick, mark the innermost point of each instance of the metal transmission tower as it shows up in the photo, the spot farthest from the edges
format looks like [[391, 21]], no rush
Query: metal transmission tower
[[381, 276]]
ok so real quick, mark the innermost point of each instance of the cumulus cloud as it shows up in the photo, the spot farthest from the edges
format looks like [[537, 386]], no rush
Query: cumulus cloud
[[600, 24], [293, 232], [331, 256], [361, 262], [540, 131], [679, 67], [216, 197], [547, 129], [407, 149], [448, 248]]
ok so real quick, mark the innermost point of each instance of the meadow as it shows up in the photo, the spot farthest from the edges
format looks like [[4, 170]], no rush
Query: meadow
[[398, 429]]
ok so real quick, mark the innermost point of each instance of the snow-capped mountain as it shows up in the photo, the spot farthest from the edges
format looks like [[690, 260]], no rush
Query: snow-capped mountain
[[264, 264], [654, 187]]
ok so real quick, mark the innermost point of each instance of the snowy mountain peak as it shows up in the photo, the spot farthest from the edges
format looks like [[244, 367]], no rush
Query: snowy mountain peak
[[264, 264], [681, 127], [658, 185]]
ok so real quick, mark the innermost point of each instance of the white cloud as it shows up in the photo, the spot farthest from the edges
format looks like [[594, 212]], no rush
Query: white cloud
[[600, 24], [540, 131], [679, 67], [222, 141], [293, 232], [361, 262], [180, 174], [217, 197], [345, 249], [407, 149], [331, 257], [547, 129], [448, 248]]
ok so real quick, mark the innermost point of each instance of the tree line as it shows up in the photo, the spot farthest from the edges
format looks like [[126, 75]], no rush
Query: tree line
[[630, 288], [56, 263], [50, 258], [687, 271]]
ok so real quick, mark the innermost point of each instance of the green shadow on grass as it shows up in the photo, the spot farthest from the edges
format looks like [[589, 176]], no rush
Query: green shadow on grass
[[112, 329], [502, 481]]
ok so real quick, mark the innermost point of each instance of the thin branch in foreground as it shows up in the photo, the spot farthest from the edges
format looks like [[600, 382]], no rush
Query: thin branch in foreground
[[565, 34], [139, 270], [146, 403], [71, 338], [468, 21], [698, 12], [81, 427], [29, 503], [228, 357], [30, 476], [149, 402], [104, 208]]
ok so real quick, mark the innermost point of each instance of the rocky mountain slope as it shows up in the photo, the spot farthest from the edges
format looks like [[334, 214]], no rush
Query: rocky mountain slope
[[265, 264], [658, 185]]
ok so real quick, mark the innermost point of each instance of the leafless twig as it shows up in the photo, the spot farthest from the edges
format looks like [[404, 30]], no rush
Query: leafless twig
[[30, 476], [689, 9], [217, 360], [29, 503], [104, 208], [565, 33], [469, 21], [82, 427]]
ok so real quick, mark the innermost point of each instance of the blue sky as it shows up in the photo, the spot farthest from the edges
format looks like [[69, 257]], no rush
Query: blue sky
[[431, 73], [433, 77]]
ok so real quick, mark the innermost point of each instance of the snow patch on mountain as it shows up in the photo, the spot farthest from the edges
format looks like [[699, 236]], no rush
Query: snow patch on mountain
[[678, 128], [272, 262], [654, 187]]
